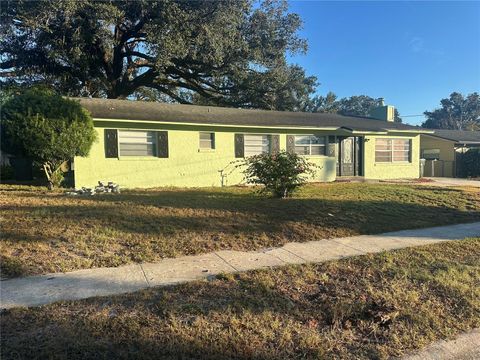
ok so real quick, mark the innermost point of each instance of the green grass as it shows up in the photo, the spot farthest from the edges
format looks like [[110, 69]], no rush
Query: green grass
[[365, 307], [49, 232]]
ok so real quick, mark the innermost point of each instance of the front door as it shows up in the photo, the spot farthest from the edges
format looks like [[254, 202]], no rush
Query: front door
[[350, 156], [347, 157]]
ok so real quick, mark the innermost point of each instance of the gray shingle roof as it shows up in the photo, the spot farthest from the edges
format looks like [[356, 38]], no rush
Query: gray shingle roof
[[176, 113], [460, 136]]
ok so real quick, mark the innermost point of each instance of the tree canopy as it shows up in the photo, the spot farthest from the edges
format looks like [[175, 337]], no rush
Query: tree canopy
[[46, 128], [458, 112], [230, 52], [360, 105]]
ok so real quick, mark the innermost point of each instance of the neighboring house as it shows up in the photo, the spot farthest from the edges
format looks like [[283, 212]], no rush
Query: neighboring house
[[147, 144], [443, 151]]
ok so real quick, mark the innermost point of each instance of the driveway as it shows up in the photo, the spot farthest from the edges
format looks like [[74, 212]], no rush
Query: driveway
[[446, 182]]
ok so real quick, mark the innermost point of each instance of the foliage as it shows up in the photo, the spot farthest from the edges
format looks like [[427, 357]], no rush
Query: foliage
[[456, 113], [46, 128], [6, 172], [361, 105], [229, 53], [280, 173], [469, 163]]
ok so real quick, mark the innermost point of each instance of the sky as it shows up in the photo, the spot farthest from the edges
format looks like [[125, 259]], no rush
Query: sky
[[413, 54]]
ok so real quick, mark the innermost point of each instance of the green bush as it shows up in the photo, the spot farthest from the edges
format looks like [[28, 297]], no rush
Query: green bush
[[280, 173], [470, 163], [47, 128], [6, 172]]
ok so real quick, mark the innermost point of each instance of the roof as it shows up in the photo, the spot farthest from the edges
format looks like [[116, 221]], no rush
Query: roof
[[210, 115], [459, 136]]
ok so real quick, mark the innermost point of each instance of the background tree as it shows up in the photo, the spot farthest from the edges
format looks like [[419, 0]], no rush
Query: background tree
[[46, 128], [360, 105], [457, 113], [221, 52]]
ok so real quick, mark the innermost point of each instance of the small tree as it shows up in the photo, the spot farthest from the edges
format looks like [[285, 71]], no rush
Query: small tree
[[46, 128], [280, 173]]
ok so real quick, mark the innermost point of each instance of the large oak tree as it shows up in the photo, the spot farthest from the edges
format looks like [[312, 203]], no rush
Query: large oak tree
[[457, 112], [221, 52]]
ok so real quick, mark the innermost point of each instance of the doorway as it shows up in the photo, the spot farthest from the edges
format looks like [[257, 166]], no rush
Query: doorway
[[350, 156]]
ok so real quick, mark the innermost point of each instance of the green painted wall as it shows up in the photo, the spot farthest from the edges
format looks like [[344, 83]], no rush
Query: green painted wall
[[186, 166], [373, 170]]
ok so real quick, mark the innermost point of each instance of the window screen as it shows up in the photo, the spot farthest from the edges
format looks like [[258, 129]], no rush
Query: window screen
[[207, 140], [310, 145], [257, 144], [136, 143], [392, 150]]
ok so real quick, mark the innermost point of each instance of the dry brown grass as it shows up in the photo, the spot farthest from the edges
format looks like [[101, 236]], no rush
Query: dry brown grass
[[366, 307], [49, 232]]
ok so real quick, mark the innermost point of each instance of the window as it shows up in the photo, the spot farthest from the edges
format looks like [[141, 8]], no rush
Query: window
[[431, 154], [310, 145], [137, 143], [257, 144], [392, 150], [207, 140]]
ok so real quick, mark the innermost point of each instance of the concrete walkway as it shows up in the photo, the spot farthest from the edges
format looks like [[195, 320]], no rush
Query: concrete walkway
[[44, 289], [448, 182], [464, 347]]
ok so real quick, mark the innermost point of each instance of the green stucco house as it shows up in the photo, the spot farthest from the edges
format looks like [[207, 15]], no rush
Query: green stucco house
[[147, 144]]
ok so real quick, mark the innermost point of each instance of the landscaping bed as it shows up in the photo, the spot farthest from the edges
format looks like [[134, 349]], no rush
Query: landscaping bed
[[46, 231], [365, 307]]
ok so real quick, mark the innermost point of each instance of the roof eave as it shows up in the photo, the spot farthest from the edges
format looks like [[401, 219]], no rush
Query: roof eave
[[313, 128]]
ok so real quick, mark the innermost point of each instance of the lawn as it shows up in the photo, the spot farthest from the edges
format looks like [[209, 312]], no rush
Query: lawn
[[365, 307], [50, 232]]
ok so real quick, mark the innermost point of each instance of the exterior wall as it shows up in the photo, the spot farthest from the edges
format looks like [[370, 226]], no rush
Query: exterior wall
[[446, 165], [373, 170], [186, 166]]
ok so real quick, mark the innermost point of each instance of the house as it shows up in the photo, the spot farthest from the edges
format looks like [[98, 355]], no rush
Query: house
[[147, 144], [443, 151]]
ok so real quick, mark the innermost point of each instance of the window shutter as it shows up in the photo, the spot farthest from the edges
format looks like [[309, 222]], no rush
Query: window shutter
[[239, 146], [291, 144], [275, 144], [410, 150], [162, 144], [111, 143], [331, 146]]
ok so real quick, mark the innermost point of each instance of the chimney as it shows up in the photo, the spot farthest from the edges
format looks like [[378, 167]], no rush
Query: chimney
[[383, 112]]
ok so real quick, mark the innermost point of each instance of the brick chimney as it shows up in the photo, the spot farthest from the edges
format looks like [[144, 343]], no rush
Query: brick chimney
[[383, 112]]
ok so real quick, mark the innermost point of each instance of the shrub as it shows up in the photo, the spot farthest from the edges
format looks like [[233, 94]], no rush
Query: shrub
[[280, 173], [47, 128], [6, 172], [469, 163]]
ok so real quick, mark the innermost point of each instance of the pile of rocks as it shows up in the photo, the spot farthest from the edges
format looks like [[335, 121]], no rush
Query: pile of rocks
[[110, 187]]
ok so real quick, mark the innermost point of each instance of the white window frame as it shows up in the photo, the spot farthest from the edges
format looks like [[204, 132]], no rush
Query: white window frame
[[392, 151], [269, 138], [153, 142], [310, 145], [212, 141]]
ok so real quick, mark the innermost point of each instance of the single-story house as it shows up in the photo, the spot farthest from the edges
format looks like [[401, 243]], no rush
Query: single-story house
[[443, 150], [147, 144]]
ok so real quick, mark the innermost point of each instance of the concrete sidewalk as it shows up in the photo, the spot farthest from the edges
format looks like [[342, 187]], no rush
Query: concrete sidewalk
[[44, 289], [464, 347]]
